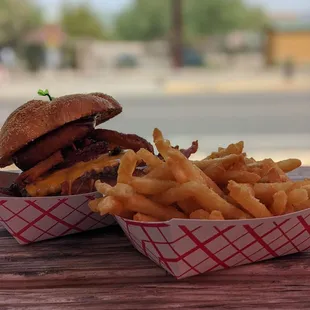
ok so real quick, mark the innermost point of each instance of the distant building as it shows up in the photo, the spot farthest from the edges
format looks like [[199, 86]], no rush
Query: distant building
[[50, 38], [95, 55], [288, 40]]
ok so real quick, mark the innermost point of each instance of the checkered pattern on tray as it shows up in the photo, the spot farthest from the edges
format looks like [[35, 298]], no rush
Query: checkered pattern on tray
[[35, 219], [187, 248]]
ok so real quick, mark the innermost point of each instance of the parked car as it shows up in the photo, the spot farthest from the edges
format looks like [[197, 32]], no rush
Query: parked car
[[192, 58], [126, 61]]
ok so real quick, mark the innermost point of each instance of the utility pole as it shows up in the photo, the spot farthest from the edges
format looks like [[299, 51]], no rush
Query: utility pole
[[176, 40]]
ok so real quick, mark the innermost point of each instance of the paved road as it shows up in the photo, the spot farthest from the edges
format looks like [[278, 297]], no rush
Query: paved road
[[271, 124]]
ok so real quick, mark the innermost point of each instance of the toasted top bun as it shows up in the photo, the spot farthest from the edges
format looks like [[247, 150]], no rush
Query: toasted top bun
[[37, 118]]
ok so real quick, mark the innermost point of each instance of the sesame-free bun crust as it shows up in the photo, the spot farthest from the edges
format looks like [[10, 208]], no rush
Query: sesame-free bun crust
[[37, 118]]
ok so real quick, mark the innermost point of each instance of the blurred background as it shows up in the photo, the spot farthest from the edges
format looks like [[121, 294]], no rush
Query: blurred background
[[218, 71]]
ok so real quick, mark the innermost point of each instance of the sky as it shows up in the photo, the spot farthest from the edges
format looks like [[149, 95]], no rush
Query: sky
[[275, 6], [111, 7], [107, 7]]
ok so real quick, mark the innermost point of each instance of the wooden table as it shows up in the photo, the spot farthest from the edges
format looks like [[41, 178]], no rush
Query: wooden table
[[101, 270]]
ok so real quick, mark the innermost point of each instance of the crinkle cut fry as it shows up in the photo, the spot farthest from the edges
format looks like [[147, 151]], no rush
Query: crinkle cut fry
[[288, 165], [227, 161], [138, 203], [189, 205], [206, 198], [161, 172], [265, 191], [110, 205], [216, 215], [127, 167], [234, 148], [173, 156], [185, 171], [297, 196], [140, 217], [244, 195], [200, 214], [162, 145], [149, 158], [279, 203], [148, 186]]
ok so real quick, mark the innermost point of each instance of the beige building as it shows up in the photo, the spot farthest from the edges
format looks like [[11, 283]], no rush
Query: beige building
[[289, 41]]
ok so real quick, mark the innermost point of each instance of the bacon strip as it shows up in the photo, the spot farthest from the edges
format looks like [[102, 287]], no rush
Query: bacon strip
[[191, 150], [186, 152], [86, 153], [34, 173], [125, 141]]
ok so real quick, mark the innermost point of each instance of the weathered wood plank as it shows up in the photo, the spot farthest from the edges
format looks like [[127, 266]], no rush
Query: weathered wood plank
[[101, 270]]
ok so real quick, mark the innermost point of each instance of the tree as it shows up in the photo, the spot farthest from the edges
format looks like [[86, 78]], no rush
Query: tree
[[213, 16], [205, 17], [255, 19], [144, 20], [17, 18], [148, 19], [81, 21]]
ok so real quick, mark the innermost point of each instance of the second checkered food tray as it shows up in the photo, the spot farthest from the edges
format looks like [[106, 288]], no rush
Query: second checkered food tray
[[187, 248]]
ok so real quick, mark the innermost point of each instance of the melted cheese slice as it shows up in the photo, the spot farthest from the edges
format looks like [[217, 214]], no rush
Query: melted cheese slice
[[52, 183]]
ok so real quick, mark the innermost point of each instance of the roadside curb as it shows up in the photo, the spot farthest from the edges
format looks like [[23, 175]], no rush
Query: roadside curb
[[244, 86], [31, 93], [28, 91]]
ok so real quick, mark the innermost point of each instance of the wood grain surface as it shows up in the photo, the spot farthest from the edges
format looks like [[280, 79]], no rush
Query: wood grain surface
[[101, 270]]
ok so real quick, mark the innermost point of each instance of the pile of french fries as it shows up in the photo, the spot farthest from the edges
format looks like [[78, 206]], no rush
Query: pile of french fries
[[225, 185]]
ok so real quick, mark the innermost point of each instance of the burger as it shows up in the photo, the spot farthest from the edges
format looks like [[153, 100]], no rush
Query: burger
[[59, 149]]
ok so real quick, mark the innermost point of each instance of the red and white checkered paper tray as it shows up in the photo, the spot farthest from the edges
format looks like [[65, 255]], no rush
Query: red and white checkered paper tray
[[187, 248], [30, 219], [190, 247]]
